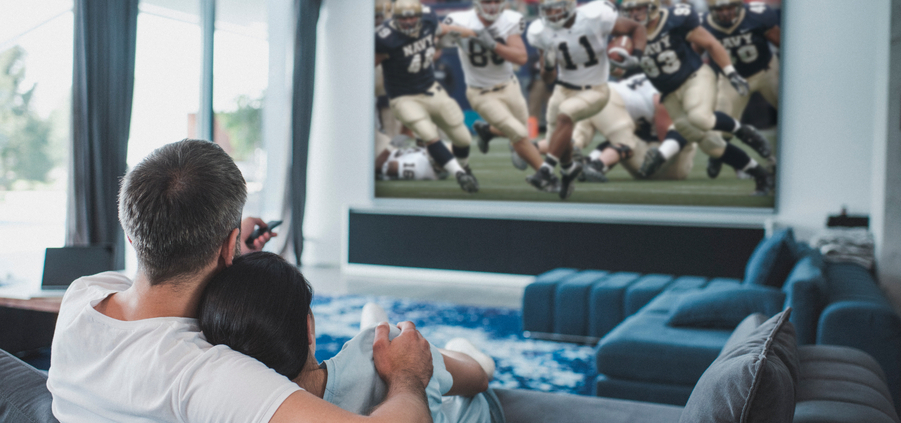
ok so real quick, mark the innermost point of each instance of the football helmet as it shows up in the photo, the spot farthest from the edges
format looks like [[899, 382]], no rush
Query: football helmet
[[725, 12], [634, 8], [407, 16], [490, 10], [555, 13], [382, 11]]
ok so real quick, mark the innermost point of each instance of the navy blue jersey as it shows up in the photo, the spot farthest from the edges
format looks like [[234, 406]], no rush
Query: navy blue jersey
[[408, 69], [745, 41], [668, 59]]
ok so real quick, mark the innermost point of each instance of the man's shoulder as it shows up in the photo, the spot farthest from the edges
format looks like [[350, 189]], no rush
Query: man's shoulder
[[462, 18], [599, 10], [534, 33], [93, 287]]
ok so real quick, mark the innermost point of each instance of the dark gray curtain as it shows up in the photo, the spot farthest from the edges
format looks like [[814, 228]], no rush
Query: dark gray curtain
[[102, 88], [307, 12]]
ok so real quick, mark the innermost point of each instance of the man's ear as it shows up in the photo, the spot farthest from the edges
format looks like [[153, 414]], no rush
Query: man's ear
[[227, 251]]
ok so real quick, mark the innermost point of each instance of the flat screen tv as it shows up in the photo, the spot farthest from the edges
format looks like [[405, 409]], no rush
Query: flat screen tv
[[628, 151]]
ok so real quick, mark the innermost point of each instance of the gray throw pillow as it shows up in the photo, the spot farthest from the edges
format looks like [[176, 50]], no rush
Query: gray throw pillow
[[751, 381]]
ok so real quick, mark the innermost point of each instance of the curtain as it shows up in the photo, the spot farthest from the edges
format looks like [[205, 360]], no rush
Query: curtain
[[102, 88], [307, 14]]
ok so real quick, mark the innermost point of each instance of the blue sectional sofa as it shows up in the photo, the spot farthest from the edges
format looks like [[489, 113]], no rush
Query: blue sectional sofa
[[658, 333]]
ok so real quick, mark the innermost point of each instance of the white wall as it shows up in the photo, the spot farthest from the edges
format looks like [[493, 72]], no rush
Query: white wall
[[835, 54]]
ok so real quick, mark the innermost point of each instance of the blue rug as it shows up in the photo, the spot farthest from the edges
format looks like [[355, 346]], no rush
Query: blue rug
[[522, 363]]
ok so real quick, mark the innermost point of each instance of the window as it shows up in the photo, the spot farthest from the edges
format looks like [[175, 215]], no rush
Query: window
[[36, 44]]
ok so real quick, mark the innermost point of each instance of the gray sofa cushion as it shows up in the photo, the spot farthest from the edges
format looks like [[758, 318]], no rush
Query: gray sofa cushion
[[23, 392], [754, 381], [522, 406]]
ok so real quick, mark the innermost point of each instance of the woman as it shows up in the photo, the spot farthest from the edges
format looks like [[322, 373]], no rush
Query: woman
[[260, 306]]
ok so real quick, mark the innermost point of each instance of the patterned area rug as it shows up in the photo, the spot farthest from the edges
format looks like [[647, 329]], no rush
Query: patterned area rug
[[522, 363]]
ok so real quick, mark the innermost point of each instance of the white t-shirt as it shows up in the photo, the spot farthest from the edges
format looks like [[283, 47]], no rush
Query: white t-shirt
[[483, 68], [582, 49], [638, 95], [151, 370]]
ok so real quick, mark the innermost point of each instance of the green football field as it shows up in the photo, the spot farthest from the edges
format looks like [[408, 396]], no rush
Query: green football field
[[500, 181]]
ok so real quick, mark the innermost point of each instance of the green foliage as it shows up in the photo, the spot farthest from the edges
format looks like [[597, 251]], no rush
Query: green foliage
[[244, 126], [24, 137]]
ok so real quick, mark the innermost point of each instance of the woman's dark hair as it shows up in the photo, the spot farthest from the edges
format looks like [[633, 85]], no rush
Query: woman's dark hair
[[259, 306]]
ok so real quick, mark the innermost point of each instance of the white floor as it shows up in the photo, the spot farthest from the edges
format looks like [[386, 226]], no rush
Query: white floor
[[464, 289]]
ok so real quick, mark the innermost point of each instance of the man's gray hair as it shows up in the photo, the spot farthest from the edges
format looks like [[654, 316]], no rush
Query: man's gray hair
[[179, 205]]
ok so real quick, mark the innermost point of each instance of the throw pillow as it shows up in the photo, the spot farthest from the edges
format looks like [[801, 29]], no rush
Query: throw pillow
[[772, 260], [753, 381], [725, 308]]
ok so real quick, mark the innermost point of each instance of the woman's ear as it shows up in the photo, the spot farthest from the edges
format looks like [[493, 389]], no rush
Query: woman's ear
[[311, 331]]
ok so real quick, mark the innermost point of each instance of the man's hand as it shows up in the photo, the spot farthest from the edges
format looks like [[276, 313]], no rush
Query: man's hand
[[629, 61], [739, 83], [247, 227], [405, 362], [484, 37]]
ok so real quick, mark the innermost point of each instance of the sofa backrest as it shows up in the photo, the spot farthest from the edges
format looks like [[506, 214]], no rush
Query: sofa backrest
[[23, 392]]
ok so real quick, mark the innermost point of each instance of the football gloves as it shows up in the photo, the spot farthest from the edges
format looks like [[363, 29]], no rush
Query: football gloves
[[484, 37], [629, 62], [739, 83]]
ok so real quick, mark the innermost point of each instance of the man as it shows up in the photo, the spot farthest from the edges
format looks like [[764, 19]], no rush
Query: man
[[405, 47], [746, 32], [573, 45], [630, 123], [688, 88], [491, 87], [132, 351]]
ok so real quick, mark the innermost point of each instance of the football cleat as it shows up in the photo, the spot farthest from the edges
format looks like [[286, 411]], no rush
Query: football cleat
[[749, 135], [578, 157], [566, 179], [544, 180], [653, 160], [518, 161], [469, 172], [467, 182], [485, 135], [713, 167], [594, 171], [763, 180]]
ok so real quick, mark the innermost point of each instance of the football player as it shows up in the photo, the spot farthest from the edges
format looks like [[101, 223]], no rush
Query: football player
[[688, 88], [405, 47], [746, 31], [411, 163], [573, 45], [630, 123], [491, 87]]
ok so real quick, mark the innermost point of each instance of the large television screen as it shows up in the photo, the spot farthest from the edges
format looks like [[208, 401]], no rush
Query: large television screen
[[498, 100]]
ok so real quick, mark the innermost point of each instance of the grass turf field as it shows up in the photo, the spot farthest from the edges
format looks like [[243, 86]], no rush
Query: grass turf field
[[500, 181]]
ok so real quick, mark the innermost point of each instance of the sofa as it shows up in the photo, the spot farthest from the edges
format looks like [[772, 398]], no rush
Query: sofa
[[760, 376], [644, 352]]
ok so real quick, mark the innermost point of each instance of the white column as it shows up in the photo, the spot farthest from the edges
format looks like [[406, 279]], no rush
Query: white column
[[886, 215], [341, 138]]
